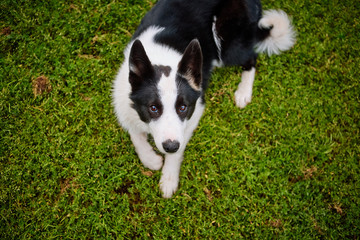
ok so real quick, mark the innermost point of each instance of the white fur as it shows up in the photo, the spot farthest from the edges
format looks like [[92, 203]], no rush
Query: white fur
[[145, 151], [168, 126], [282, 35], [244, 91], [170, 173]]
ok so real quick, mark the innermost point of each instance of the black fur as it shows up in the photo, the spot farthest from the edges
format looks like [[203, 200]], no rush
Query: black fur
[[185, 20], [236, 26]]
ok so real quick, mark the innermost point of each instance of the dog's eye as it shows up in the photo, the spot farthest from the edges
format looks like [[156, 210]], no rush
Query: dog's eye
[[154, 109], [182, 108]]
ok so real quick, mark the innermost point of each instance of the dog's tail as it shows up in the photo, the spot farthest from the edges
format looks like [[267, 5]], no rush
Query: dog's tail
[[275, 32]]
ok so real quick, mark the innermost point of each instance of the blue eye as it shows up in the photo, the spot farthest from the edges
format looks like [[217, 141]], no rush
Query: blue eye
[[154, 109], [182, 108]]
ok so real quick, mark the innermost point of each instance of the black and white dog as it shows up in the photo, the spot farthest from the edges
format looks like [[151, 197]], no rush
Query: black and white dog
[[160, 87]]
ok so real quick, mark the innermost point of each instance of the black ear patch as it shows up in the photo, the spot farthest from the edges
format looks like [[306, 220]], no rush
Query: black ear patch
[[140, 66], [190, 66]]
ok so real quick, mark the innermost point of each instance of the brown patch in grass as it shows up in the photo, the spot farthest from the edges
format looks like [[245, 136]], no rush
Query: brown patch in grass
[[295, 179], [85, 98], [208, 194], [67, 183], [147, 173], [337, 207], [41, 85], [5, 31], [317, 227], [309, 173], [74, 7], [276, 223], [88, 56]]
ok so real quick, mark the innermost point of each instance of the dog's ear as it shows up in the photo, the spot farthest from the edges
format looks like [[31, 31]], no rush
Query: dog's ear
[[139, 64], [190, 66]]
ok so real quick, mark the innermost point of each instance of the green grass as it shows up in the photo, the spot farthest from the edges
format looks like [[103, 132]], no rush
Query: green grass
[[286, 166]]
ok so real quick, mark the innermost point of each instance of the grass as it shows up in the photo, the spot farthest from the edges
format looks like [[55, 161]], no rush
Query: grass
[[287, 166]]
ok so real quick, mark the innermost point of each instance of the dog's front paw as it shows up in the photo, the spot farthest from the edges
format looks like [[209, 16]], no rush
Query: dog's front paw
[[242, 97], [152, 161], [168, 185]]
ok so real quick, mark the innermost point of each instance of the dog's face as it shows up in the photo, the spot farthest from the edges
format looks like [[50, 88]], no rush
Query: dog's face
[[165, 98]]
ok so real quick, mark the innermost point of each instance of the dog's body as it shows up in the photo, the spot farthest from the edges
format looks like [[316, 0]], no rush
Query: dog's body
[[160, 87]]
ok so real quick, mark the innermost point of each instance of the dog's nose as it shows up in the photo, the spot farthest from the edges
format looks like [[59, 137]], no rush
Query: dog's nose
[[171, 146]]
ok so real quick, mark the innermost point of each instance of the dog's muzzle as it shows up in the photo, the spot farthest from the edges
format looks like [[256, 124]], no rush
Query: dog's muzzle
[[171, 146]]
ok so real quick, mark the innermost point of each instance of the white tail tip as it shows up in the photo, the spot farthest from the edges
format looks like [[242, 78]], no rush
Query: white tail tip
[[282, 35]]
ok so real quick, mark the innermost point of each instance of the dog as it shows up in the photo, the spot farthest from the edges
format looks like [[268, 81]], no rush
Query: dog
[[160, 87]]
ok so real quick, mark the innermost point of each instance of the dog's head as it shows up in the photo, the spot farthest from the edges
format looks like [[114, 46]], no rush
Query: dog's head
[[165, 96]]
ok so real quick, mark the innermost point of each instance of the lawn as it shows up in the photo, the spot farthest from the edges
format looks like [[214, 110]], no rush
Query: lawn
[[286, 166]]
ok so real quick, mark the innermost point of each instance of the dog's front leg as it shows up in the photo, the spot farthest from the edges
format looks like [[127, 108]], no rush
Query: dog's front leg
[[145, 151], [170, 174], [244, 92]]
